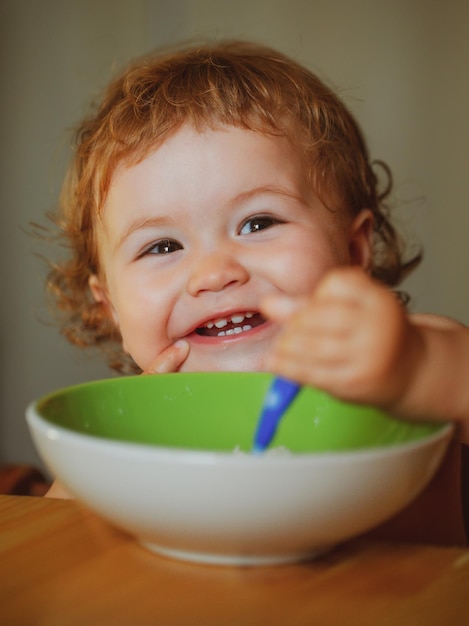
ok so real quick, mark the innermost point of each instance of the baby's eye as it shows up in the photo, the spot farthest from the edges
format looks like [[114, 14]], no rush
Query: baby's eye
[[164, 246], [257, 223]]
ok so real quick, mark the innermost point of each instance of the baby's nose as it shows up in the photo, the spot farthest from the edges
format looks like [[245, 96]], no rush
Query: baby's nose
[[215, 272]]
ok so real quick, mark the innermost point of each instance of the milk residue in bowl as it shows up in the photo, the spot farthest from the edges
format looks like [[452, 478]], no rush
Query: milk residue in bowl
[[277, 451]]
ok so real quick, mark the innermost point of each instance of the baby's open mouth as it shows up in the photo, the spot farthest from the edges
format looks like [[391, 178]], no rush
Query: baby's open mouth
[[230, 325]]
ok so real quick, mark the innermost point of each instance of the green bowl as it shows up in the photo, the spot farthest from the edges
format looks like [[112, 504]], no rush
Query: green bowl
[[167, 458], [219, 411]]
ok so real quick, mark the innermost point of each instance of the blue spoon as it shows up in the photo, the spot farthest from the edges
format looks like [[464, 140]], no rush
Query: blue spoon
[[280, 395]]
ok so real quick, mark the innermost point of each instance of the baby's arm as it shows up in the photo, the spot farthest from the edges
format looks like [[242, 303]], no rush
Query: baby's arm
[[354, 339], [57, 491], [440, 388]]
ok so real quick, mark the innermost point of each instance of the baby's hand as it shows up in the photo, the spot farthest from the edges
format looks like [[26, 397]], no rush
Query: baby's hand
[[351, 337], [171, 359]]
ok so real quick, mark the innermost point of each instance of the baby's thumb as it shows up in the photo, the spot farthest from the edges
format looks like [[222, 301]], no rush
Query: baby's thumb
[[279, 307], [344, 283]]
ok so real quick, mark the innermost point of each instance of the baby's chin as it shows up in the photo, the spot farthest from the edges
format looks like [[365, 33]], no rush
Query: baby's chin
[[238, 363]]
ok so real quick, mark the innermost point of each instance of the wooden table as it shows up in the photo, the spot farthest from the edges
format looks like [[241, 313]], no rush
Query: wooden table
[[62, 566]]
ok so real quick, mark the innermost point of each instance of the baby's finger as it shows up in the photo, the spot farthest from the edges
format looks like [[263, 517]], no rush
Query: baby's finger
[[171, 359], [280, 307], [345, 283]]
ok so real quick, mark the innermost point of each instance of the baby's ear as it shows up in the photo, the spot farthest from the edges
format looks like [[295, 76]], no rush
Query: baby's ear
[[360, 240], [100, 294]]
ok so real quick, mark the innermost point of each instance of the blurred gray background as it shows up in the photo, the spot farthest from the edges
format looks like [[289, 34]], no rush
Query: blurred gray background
[[400, 65]]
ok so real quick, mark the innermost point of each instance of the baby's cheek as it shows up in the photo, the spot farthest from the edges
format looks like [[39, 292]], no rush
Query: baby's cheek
[[143, 349]]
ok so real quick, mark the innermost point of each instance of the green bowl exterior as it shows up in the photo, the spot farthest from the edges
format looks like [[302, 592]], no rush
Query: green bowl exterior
[[218, 411]]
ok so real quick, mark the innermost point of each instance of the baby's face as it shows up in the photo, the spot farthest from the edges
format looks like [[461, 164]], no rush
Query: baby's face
[[198, 233]]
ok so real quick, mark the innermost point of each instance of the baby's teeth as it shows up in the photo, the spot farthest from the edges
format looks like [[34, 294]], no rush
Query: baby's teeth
[[234, 331], [237, 319]]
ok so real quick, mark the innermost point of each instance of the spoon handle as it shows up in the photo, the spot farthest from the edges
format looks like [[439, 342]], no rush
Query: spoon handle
[[280, 395]]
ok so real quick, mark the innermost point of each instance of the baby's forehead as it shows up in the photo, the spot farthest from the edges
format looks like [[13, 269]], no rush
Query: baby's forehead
[[190, 131], [189, 139]]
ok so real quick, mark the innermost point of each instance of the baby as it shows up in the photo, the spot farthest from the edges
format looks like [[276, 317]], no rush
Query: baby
[[222, 214]]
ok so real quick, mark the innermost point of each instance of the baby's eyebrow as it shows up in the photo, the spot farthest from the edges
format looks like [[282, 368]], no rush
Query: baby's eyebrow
[[142, 224], [274, 190]]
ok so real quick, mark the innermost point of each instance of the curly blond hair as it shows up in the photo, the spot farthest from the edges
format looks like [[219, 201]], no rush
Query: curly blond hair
[[233, 83]]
